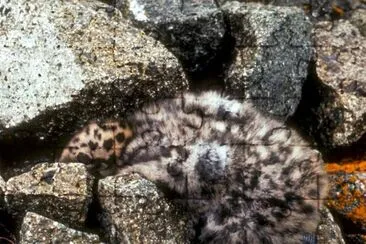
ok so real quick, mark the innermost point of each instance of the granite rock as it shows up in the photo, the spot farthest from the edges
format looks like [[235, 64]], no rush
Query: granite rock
[[272, 52], [37, 228], [59, 191], [340, 66], [192, 30], [62, 62], [136, 211]]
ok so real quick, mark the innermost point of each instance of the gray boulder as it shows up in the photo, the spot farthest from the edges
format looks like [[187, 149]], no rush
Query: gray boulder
[[65, 62], [192, 30], [339, 117], [272, 53], [39, 229], [135, 211], [59, 191]]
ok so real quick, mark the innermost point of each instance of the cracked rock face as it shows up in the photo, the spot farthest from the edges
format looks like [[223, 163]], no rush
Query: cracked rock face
[[272, 52], [192, 30], [340, 66], [135, 211], [37, 228], [62, 61], [60, 191]]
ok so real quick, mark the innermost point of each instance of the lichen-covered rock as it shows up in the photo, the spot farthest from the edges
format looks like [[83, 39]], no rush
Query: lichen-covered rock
[[39, 229], [273, 49], [135, 211], [60, 191], [347, 193], [193, 30], [62, 62], [328, 230], [2, 192], [340, 66]]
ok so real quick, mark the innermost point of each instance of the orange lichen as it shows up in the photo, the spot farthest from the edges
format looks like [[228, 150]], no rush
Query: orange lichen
[[337, 10], [347, 196], [347, 167]]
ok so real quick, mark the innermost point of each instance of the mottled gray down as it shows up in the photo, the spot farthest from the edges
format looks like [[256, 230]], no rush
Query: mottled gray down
[[246, 178]]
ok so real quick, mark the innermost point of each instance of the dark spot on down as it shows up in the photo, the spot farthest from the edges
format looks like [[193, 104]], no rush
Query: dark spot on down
[[93, 145], [120, 137], [175, 170], [262, 220], [307, 209], [165, 152], [95, 133], [76, 139], [83, 158], [108, 144], [83, 145], [72, 148], [254, 180]]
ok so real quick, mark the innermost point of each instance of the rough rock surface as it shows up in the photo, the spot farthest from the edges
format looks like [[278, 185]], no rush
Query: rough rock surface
[[135, 211], [328, 230], [272, 52], [340, 66], [60, 191], [193, 30], [347, 196], [39, 229], [358, 19], [63, 61], [319, 9]]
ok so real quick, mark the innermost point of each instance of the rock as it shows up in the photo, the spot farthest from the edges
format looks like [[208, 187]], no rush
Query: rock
[[358, 19], [59, 191], [317, 10], [347, 195], [356, 239], [273, 50], [328, 230], [192, 30], [65, 62], [2, 192], [39, 229], [135, 211], [340, 66]]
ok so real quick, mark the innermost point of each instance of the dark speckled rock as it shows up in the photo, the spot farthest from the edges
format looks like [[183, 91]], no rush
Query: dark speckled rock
[[39, 229], [60, 191], [272, 53], [78, 58], [193, 29], [135, 211]]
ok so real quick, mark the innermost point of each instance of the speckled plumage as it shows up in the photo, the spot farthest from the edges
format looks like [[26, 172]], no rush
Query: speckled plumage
[[247, 178]]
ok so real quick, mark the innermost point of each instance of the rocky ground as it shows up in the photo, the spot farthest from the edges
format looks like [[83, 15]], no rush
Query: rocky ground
[[64, 63]]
